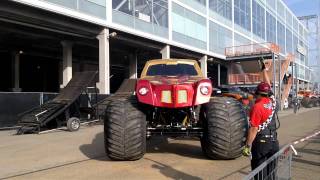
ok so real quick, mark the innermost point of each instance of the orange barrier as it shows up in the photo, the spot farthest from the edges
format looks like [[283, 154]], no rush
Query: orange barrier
[[245, 78], [252, 49]]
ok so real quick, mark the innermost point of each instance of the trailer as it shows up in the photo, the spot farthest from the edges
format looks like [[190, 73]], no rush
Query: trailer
[[63, 110]]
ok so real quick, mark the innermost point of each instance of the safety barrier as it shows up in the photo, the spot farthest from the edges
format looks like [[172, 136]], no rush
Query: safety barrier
[[252, 49], [278, 166], [244, 78]]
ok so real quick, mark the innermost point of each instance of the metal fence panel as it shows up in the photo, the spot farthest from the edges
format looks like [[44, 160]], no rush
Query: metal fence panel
[[277, 167]]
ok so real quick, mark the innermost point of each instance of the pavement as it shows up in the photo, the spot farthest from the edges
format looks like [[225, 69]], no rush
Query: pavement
[[80, 155], [306, 165]]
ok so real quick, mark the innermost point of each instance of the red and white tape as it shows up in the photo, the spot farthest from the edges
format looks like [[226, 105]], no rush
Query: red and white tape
[[301, 140], [306, 138]]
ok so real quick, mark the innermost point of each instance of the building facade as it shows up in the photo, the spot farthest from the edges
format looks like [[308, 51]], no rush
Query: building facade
[[206, 27]]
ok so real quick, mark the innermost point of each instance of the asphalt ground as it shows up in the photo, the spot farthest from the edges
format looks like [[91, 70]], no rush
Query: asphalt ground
[[80, 155], [306, 165]]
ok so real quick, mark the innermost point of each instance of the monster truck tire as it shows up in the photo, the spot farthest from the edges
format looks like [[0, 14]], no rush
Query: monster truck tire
[[124, 130], [225, 128], [307, 102]]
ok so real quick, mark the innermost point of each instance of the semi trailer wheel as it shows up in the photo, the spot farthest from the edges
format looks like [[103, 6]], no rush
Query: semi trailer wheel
[[73, 124], [225, 128], [125, 130]]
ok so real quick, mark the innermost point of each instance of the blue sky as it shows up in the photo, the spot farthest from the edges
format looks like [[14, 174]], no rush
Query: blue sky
[[303, 7]]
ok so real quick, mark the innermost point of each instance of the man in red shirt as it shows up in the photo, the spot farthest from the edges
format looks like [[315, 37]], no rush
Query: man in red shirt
[[262, 140]]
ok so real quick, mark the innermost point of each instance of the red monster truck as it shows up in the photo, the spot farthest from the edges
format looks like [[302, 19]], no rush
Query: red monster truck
[[173, 98]]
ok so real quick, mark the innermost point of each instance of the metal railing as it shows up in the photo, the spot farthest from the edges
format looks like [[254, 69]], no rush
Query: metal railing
[[252, 49], [244, 78], [277, 167]]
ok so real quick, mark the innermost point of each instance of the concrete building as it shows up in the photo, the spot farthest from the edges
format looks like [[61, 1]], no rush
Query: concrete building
[[42, 42]]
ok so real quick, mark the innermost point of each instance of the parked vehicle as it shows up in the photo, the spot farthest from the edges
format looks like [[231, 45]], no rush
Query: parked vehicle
[[309, 99], [173, 98]]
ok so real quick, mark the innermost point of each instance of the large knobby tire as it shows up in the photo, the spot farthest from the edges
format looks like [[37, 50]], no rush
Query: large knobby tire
[[225, 128], [124, 130]]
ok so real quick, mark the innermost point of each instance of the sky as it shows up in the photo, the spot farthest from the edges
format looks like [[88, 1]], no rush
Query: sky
[[303, 7]]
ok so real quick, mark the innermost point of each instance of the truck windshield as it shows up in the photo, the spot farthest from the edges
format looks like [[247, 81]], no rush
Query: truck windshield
[[172, 70]]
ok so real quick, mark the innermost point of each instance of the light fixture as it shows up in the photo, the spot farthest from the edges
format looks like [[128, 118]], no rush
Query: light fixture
[[143, 91], [113, 34]]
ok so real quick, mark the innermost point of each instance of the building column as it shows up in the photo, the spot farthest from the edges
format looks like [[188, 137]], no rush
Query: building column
[[104, 60], [165, 52], [204, 66], [66, 62], [16, 71], [219, 74], [133, 70]]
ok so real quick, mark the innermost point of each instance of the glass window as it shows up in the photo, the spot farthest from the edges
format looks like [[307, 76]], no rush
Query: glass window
[[70, 4], [295, 25], [289, 48], [258, 20], [301, 72], [219, 38], [146, 15], [272, 4], [95, 8], [281, 37], [295, 45], [188, 27], [305, 34], [240, 40], [222, 7], [288, 18], [300, 30], [242, 14], [271, 28], [280, 10], [172, 70], [199, 5]]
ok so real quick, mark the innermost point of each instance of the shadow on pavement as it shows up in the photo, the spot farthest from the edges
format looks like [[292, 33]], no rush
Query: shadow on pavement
[[162, 145], [170, 172], [95, 150]]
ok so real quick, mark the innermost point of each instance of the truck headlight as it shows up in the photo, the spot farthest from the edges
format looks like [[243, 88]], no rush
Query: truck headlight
[[204, 90], [143, 91]]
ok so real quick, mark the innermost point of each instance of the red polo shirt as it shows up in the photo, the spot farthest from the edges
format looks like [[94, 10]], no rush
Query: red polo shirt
[[261, 111]]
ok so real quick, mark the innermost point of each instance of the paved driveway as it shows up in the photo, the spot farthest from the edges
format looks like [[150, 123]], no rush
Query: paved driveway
[[80, 155]]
